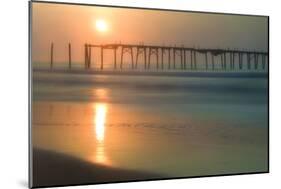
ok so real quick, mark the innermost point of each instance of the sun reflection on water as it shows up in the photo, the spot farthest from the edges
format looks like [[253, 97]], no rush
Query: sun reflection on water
[[100, 110], [100, 117]]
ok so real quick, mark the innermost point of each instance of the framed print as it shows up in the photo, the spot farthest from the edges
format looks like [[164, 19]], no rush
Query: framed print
[[120, 94]]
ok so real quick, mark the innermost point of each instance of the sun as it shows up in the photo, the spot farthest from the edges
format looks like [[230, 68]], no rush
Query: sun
[[101, 25]]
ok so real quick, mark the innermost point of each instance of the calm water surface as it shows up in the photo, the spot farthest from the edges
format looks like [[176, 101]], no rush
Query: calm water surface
[[177, 126]]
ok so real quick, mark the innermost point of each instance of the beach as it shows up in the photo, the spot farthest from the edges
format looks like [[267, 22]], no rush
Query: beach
[[57, 169]]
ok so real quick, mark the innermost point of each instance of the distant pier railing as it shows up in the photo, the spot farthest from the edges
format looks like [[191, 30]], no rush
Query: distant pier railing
[[232, 57]]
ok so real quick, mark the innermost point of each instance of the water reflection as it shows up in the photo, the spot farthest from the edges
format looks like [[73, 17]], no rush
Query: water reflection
[[99, 125], [101, 94], [100, 116]]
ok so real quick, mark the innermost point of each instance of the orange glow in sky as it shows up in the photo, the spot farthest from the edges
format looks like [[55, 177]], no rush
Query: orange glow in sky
[[62, 24]]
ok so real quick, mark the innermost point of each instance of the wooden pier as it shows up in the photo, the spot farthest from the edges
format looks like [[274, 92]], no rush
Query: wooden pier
[[213, 59]]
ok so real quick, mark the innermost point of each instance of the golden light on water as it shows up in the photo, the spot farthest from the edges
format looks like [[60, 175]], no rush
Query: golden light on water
[[100, 155], [101, 94], [100, 117], [100, 111]]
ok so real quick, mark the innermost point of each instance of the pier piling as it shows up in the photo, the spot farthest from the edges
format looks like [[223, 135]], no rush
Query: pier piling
[[52, 56], [224, 56], [191, 59], [224, 61], [69, 55], [184, 59], [213, 61], [256, 59], [86, 56], [115, 61], [206, 61], [263, 61], [174, 57], [101, 58], [162, 58], [195, 62]]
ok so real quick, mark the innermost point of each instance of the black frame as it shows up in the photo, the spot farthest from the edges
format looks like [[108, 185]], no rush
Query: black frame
[[30, 84]]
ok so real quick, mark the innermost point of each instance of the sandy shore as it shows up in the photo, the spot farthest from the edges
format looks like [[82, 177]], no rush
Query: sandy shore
[[55, 169]]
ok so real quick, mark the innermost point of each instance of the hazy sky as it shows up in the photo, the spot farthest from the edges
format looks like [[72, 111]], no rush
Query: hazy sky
[[62, 24]]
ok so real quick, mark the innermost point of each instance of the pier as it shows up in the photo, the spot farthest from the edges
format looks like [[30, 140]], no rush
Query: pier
[[175, 57]]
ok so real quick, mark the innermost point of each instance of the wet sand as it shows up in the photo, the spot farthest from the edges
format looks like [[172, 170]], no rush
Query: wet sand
[[56, 169]]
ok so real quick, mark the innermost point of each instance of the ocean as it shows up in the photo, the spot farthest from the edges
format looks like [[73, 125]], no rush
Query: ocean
[[176, 125]]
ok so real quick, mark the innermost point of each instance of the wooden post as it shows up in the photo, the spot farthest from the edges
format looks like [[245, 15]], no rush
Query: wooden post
[[144, 49], [263, 61], [52, 55], [191, 59], [222, 64], [162, 58], [137, 56], [149, 54], [240, 61], [132, 57], [174, 57], [230, 60], [184, 59], [169, 57], [181, 58], [249, 60], [86, 55], [233, 61], [157, 63], [89, 57], [213, 62], [115, 62], [121, 62], [101, 54], [69, 56], [195, 62], [224, 61], [256, 61], [206, 60]]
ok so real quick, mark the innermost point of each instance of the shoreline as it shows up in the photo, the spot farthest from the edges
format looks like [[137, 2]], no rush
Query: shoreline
[[54, 169]]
